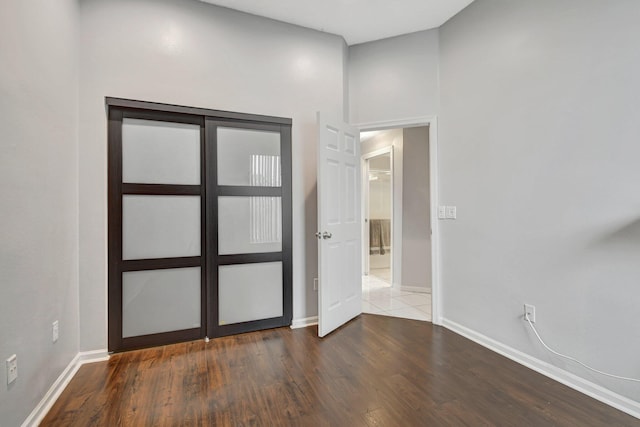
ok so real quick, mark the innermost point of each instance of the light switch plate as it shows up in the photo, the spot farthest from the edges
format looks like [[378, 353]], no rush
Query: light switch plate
[[451, 212], [55, 331], [442, 212], [12, 369]]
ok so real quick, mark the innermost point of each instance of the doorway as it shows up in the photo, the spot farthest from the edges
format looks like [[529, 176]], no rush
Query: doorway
[[396, 209], [378, 213]]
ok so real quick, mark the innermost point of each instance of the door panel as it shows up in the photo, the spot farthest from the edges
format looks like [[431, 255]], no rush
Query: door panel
[[156, 152], [332, 182], [249, 292], [249, 224], [350, 194], [160, 226], [248, 157], [155, 301], [333, 281], [339, 225], [353, 283], [249, 203]]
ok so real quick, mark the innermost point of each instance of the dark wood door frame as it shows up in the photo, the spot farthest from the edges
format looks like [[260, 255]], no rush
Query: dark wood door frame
[[208, 190]]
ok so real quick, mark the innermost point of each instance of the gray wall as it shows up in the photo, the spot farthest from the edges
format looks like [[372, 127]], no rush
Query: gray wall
[[394, 78], [380, 191], [39, 188], [416, 225], [192, 53], [538, 144]]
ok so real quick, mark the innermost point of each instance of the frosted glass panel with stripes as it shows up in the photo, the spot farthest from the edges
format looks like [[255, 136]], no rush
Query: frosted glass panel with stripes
[[156, 152], [249, 157], [249, 224], [249, 292], [155, 301]]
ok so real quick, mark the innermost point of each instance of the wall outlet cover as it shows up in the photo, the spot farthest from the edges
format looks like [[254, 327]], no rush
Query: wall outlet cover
[[529, 310]]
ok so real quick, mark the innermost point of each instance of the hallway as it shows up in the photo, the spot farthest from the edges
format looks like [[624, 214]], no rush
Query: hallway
[[378, 297]]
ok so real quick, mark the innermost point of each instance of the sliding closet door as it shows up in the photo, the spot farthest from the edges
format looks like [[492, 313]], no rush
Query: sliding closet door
[[156, 228], [249, 221], [199, 223]]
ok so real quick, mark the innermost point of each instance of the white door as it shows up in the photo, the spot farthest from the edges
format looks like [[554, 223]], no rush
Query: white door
[[339, 222]]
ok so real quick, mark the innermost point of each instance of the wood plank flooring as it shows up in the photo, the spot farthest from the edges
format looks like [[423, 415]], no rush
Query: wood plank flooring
[[374, 371]]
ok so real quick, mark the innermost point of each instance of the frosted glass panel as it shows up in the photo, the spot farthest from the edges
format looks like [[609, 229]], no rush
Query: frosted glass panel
[[160, 226], [160, 152], [249, 225], [160, 301], [248, 157], [249, 292]]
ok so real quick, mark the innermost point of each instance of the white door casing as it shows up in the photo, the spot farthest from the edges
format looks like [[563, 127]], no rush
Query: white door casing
[[339, 225]]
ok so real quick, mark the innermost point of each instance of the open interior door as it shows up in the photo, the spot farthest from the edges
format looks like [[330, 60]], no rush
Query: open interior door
[[339, 225]]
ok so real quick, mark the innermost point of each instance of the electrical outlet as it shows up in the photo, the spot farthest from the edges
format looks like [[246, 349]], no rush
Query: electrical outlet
[[55, 331], [315, 284], [530, 311], [12, 369], [442, 212]]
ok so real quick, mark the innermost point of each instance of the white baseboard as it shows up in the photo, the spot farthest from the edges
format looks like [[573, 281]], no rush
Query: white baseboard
[[93, 356], [417, 289], [40, 411], [577, 383], [304, 322]]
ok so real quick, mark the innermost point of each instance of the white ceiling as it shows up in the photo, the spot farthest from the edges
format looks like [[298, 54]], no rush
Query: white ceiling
[[358, 21]]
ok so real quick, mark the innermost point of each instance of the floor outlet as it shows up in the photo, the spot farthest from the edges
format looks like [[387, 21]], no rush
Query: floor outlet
[[55, 331], [530, 311], [12, 369]]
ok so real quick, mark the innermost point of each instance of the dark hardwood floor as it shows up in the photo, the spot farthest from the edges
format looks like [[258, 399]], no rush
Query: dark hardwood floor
[[374, 371]]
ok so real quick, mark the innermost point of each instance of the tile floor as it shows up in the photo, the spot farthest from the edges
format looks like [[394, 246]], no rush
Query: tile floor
[[378, 297]]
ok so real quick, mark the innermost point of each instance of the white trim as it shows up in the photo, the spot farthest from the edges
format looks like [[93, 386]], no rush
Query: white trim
[[416, 289], [378, 152], [392, 124], [93, 356], [577, 383], [432, 122], [40, 411], [436, 299], [304, 322]]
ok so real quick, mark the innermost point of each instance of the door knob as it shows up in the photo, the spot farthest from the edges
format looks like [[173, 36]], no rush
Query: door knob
[[326, 235]]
